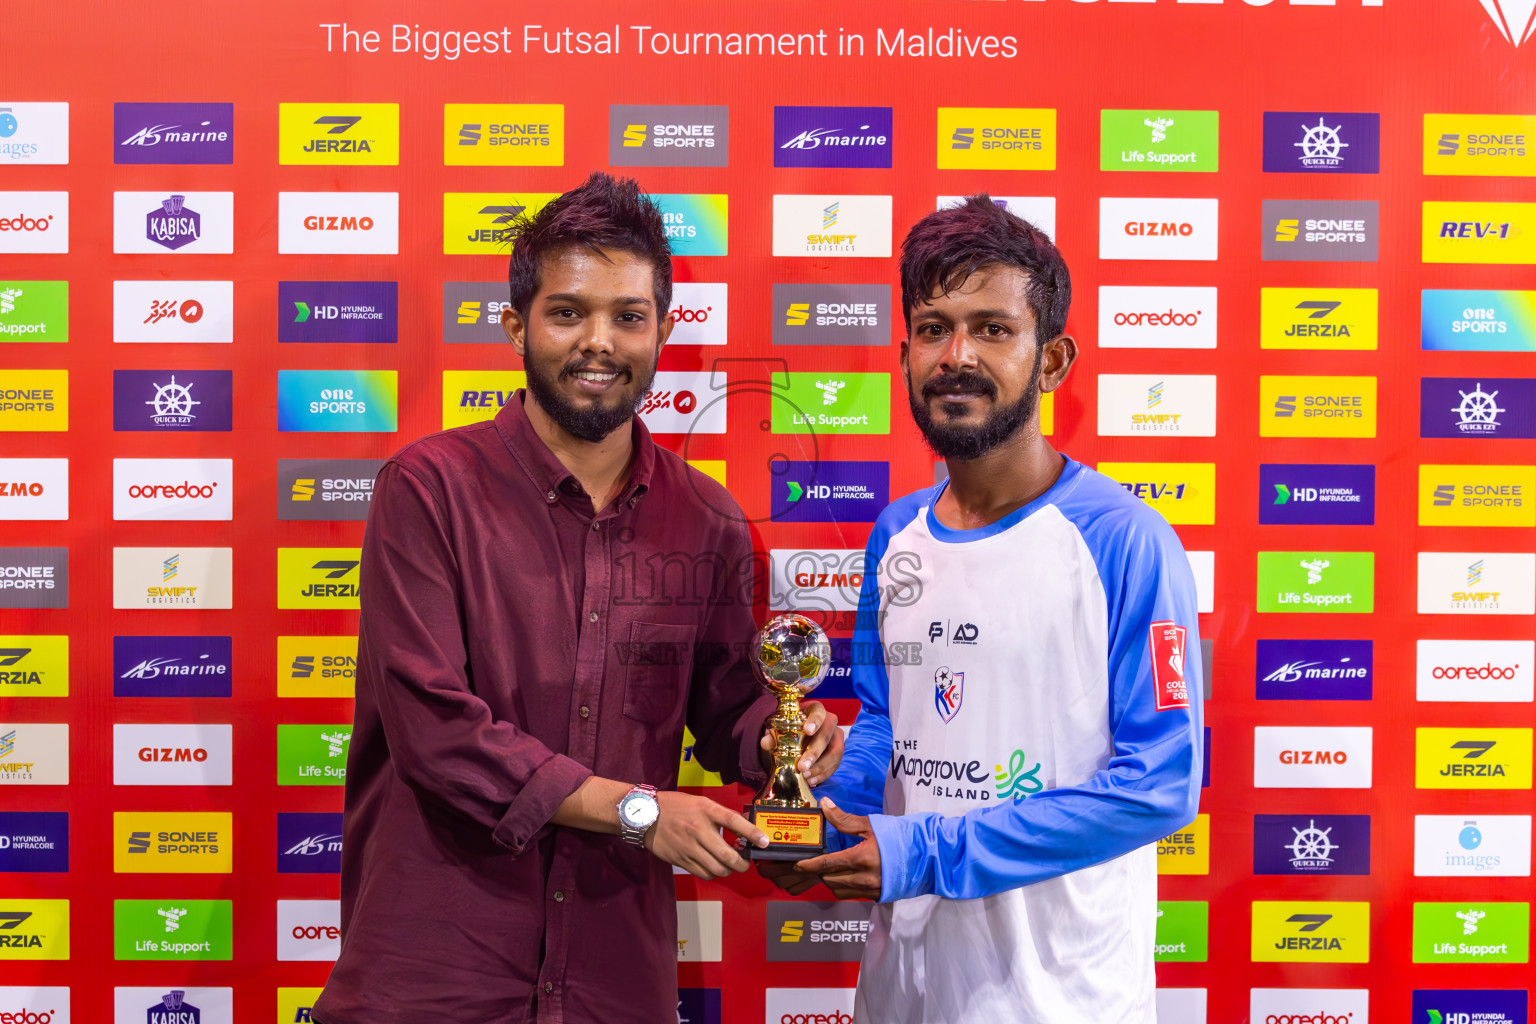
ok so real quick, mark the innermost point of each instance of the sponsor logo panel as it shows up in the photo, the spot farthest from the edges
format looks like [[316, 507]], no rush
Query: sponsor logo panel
[[1472, 845], [1159, 140], [34, 841], [1339, 319], [34, 489], [504, 134], [34, 400], [1321, 142], [1134, 316], [171, 842], [1311, 932], [828, 492], [34, 1004], [1479, 232], [325, 490], [180, 223], [648, 135], [698, 1006], [34, 666], [174, 1006], [1157, 229], [316, 666], [34, 577], [34, 754], [697, 224], [832, 136], [472, 312], [1477, 583], [1475, 670], [338, 133], [1311, 757], [689, 771], [1317, 581], [313, 755], [34, 133], [470, 396], [34, 222], [34, 930], [481, 223], [1314, 670], [173, 489], [172, 754], [308, 929], [1188, 851], [1317, 495], [1477, 407], [1183, 492], [1333, 231], [184, 579], [1464, 1006], [172, 399], [1472, 757], [295, 1004], [1310, 1005], [834, 403], [996, 138], [1185, 1005], [34, 311], [1476, 495], [686, 402], [802, 930], [831, 225], [309, 843], [818, 1005], [172, 666], [1174, 405], [698, 931], [359, 312], [338, 223], [185, 312], [1183, 932], [1453, 320], [821, 579], [832, 314], [1311, 844], [1471, 933], [173, 929], [332, 401], [1480, 144], [700, 313], [318, 577], [1317, 406], [173, 133]]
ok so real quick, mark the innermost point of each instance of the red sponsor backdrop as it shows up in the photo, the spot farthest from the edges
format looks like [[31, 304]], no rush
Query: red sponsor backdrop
[[1401, 59]]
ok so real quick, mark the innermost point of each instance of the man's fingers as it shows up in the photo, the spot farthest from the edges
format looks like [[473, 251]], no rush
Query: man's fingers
[[815, 713], [724, 854], [811, 765], [847, 824], [726, 818]]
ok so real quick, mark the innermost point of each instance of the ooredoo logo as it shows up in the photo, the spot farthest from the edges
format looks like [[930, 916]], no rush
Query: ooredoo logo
[[308, 929], [700, 313], [26, 1004], [34, 222], [1476, 670], [1142, 317], [173, 489], [809, 1006], [1309, 1006]]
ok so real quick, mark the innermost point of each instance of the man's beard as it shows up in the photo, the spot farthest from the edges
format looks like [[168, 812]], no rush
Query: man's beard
[[597, 419], [963, 441]]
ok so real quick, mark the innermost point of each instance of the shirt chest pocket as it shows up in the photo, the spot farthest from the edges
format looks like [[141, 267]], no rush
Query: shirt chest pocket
[[657, 670]]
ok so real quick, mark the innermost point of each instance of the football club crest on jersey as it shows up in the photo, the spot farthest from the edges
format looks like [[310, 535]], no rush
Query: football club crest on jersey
[[1167, 642], [948, 692]]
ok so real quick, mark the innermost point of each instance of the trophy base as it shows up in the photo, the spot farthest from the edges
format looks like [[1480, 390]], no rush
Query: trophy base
[[794, 833]]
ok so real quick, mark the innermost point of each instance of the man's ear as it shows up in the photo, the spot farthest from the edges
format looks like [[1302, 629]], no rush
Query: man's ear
[[664, 330], [514, 327], [1056, 359]]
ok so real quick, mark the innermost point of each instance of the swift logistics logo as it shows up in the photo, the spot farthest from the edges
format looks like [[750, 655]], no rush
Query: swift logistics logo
[[831, 225], [1183, 492], [173, 929], [470, 396], [172, 754], [1317, 406], [996, 138], [649, 135], [1477, 321], [1142, 317], [338, 223], [1466, 1006], [34, 930], [832, 314], [1159, 140], [1488, 233], [34, 489], [347, 401], [1317, 495], [184, 579], [834, 403], [172, 400], [696, 224], [1321, 142], [803, 931], [1477, 583], [1480, 144], [34, 133], [1294, 844], [832, 136], [309, 843], [1337, 319], [357, 312], [481, 223], [828, 492], [34, 311], [503, 134], [1311, 932], [318, 577], [1473, 757], [34, 841], [172, 489], [1313, 670], [1477, 495], [180, 223], [173, 133], [34, 665], [172, 842], [316, 666], [1183, 932], [1472, 845], [34, 577], [1312, 757], [172, 666], [1485, 671], [34, 754], [472, 312], [1188, 851], [338, 133], [1157, 228], [325, 490], [1316, 581], [34, 222], [1172, 405], [157, 311], [313, 755], [1471, 933], [1336, 231]]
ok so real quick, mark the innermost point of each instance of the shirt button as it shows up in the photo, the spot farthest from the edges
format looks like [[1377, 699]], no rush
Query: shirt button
[[591, 616], [597, 526], [549, 496], [559, 895], [584, 711], [549, 986]]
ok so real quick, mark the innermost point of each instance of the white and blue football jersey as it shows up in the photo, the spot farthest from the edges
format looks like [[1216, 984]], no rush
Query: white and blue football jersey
[[1018, 778]]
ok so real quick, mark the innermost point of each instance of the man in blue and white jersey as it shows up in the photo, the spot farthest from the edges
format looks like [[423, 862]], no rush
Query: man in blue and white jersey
[[1001, 800]]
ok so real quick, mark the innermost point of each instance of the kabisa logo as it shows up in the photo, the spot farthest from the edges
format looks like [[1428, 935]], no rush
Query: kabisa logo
[[1469, 1006], [172, 400], [1330, 231], [1322, 142], [832, 136], [34, 666], [1314, 670], [1488, 233], [1157, 228], [1478, 321], [172, 666], [338, 133], [309, 843], [1311, 757], [1317, 494], [34, 222], [1318, 318], [1311, 932], [1158, 140], [174, 133], [1285, 844], [318, 577], [504, 134], [948, 693], [360, 312], [482, 223], [1477, 407], [1496, 671], [1480, 144], [173, 1008], [1317, 406], [1467, 758], [1471, 846], [997, 138], [183, 223], [174, 224], [1142, 317], [1476, 495], [668, 136], [34, 133]]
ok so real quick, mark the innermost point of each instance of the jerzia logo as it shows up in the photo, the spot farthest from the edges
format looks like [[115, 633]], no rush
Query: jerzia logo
[[317, 577], [1311, 932], [480, 223], [349, 133], [1484, 758]]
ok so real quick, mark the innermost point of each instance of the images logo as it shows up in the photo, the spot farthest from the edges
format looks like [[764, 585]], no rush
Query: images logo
[[171, 842], [1480, 144], [34, 666], [316, 666], [832, 314], [34, 842], [1305, 581], [1472, 846], [1502, 233], [828, 492], [166, 578], [801, 931], [1476, 495], [34, 489], [1311, 932], [1322, 142], [1187, 852], [172, 755], [309, 843], [327, 223], [503, 134], [1472, 758], [1288, 844], [1183, 932], [1318, 318], [34, 222], [34, 577], [481, 223], [338, 133], [1475, 670], [1184, 492], [176, 222], [312, 755], [173, 133], [318, 577], [1157, 229], [35, 311], [365, 312], [34, 133], [832, 136], [1311, 757], [172, 400], [846, 225], [834, 403], [325, 490], [1317, 406], [1314, 670], [173, 929], [34, 930], [996, 138], [1456, 583], [669, 136], [172, 666], [1158, 140], [1141, 317], [1330, 231], [1471, 933], [337, 400], [1173, 405]]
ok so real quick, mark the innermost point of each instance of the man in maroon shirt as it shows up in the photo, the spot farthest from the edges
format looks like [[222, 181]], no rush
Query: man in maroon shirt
[[548, 598]]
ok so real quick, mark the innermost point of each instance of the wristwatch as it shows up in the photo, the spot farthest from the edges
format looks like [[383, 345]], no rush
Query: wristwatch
[[638, 811]]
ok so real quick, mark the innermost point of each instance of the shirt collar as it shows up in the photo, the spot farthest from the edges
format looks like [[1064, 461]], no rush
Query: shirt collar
[[550, 475]]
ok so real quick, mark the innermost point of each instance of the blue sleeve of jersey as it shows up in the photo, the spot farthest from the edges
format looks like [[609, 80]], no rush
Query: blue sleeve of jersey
[[1150, 788]]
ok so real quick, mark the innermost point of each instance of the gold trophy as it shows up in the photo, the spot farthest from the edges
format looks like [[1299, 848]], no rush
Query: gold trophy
[[791, 658]]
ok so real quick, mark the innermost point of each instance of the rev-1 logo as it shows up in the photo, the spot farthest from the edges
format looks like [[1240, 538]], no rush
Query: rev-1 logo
[[963, 633]]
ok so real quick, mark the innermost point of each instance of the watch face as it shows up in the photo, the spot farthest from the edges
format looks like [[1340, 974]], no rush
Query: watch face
[[639, 810]]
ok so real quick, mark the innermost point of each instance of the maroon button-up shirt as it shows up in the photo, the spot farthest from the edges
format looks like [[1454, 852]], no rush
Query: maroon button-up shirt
[[512, 645]]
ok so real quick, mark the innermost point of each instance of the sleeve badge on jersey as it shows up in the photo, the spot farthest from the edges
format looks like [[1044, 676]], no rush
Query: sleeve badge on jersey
[[1167, 643]]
